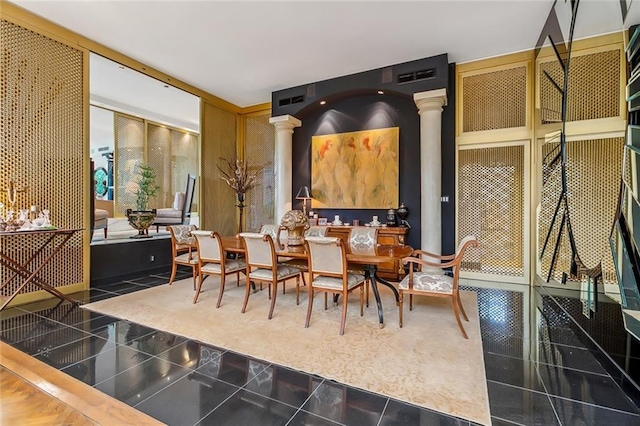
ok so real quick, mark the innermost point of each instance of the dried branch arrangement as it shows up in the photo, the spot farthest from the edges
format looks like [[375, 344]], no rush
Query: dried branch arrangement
[[237, 175]]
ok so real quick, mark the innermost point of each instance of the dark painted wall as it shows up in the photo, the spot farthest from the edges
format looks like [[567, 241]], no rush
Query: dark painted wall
[[352, 105]]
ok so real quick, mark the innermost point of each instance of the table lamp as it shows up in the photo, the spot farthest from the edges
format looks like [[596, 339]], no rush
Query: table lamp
[[304, 194]]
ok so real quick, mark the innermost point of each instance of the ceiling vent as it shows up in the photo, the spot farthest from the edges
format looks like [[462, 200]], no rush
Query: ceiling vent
[[290, 101], [425, 74]]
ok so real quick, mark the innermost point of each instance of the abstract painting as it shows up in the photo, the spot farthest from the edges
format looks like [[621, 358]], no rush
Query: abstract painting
[[355, 170]]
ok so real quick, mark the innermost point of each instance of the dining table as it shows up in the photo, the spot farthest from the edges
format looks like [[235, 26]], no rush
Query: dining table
[[368, 262]]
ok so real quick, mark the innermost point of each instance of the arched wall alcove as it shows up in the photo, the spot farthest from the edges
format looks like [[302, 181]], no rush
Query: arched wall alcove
[[353, 104]]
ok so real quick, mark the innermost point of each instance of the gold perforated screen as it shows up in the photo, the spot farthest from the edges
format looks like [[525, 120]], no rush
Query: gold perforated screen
[[593, 89], [494, 100], [159, 157], [42, 145], [594, 168], [129, 153], [184, 161], [260, 153], [218, 140], [491, 207]]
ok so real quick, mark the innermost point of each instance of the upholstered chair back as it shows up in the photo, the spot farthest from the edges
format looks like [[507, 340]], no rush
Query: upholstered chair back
[[363, 240], [209, 245], [270, 229], [260, 249], [316, 231], [326, 255], [181, 234]]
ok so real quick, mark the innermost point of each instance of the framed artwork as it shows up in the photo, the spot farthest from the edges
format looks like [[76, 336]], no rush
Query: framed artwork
[[322, 221], [355, 170]]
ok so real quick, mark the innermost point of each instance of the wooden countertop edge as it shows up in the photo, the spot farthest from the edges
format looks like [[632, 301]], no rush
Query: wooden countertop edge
[[92, 403]]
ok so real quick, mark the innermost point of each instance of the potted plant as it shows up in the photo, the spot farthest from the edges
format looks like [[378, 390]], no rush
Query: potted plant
[[145, 189]]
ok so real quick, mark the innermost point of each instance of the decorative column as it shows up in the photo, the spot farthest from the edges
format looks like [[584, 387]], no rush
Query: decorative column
[[430, 105], [284, 125]]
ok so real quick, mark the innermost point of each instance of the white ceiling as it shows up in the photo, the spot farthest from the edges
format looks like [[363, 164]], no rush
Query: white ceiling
[[242, 51]]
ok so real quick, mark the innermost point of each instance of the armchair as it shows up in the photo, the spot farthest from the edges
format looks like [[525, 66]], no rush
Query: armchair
[[430, 280], [180, 213]]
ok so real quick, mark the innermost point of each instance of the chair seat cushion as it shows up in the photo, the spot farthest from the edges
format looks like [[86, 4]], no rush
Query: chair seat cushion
[[336, 283], [284, 272], [184, 258], [429, 281], [230, 266], [100, 214], [169, 213]]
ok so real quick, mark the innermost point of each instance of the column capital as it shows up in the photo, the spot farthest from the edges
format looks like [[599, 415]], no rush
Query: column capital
[[287, 122], [430, 100]]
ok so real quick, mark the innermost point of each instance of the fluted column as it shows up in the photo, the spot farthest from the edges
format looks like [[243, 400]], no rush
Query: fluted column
[[430, 105], [284, 125]]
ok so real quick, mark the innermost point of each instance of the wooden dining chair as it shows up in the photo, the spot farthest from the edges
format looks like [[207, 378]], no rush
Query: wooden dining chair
[[363, 240], [328, 273], [262, 266], [429, 279], [212, 261], [183, 250]]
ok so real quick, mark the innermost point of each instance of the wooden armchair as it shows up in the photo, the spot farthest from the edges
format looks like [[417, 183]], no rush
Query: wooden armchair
[[429, 280], [263, 267], [212, 261], [328, 273], [183, 250]]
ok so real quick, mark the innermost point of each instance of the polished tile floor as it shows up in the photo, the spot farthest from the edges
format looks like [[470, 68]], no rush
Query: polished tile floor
[[540, 369]]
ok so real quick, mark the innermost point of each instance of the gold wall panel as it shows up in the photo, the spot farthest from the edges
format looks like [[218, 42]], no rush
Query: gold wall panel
[[42, 144], [129, 152], [494, 100], [219, 136], [594, 168], [593, 91], [491, 207], [159, 157], [184, 161], [259, 152]]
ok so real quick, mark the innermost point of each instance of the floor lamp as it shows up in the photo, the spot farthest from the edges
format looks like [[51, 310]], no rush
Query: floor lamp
[[304, 194]]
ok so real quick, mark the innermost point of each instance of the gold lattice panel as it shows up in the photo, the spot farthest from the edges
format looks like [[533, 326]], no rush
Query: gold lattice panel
[[494, 100], [129, 153], [594, 168], [184, 161], [260, 154], [159, 158], [218, 140], [41, 143], [491, 207], [593, 90]]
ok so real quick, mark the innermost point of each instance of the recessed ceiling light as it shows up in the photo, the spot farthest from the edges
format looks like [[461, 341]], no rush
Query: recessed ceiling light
[[380, 92], [323, 102]]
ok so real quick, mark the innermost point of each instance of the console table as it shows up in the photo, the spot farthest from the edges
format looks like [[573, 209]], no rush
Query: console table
[[388, 236], [29, 270]]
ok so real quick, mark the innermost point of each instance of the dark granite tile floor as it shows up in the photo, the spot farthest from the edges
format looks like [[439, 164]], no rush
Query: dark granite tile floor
[[554, 378]]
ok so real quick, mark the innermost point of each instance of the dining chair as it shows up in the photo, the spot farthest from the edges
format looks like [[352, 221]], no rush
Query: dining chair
[[262, 266], [212, 261], [363, 240], [328, 273], [429, 278], [316, 231], [183, 250], [276, 233]]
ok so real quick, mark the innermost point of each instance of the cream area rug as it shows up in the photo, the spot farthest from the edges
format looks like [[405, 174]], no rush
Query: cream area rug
[[426, 363]]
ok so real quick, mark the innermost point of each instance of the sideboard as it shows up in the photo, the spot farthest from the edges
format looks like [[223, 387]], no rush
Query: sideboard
[[393, 271]]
